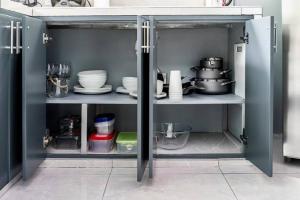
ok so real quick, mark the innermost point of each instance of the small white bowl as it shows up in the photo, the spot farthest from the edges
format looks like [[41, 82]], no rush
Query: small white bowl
[[92, 83], [92, 73], [130, 83]]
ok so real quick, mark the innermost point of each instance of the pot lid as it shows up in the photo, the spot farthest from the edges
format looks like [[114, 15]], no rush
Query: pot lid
[[104, 117], [212, 59], [95, 136]]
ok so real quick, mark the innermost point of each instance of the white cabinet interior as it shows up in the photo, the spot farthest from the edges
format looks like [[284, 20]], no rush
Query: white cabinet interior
[[86, 46], [216, 120]]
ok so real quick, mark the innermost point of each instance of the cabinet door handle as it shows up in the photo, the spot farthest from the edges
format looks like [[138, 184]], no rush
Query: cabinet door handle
[[11, 37], [18, 37], [275, 38], [144, 37], [148, 37]]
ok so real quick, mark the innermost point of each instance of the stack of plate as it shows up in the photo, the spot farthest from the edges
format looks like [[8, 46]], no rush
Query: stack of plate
[[92, 82]]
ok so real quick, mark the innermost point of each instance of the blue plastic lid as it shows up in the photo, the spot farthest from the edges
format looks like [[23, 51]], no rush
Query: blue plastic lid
[[104, 117]]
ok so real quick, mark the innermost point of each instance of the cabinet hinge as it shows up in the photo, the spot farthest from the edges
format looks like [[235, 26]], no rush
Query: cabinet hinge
[[244, 137], [46, 38], [245, 38]]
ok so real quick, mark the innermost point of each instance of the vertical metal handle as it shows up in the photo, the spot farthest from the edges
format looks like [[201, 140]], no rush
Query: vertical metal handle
[[18, 38], [275, 38], [11, 37], [148, 36], [144, 37]]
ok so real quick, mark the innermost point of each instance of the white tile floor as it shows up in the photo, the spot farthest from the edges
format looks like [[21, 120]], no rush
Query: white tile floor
[[224, 179]]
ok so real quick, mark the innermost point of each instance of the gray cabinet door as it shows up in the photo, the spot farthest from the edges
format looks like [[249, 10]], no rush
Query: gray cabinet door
[[143, 100], [152, 91], [259, 93], [33, 94], [7, 65]]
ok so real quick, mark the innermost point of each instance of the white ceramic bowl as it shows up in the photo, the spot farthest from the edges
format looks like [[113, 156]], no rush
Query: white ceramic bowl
[[92, 73], [92, 83], [130, 83]]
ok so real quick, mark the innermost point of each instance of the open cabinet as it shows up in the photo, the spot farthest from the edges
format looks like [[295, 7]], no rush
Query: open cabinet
[[137, 46], [238, 124], [113, 43]]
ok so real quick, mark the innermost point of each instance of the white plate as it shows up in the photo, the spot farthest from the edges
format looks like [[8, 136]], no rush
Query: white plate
[[103, 90], [133, 94], [122, 90], [158, 96]]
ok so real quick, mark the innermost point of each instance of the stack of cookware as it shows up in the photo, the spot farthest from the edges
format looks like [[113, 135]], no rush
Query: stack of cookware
[[211, 77]]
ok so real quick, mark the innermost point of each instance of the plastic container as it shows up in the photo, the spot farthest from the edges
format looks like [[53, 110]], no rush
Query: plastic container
[[101, 143], [172, 136], [104, 123], [127, 142]]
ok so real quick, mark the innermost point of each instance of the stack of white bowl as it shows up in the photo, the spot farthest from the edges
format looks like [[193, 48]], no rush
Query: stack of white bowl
[[175, 86], [92, 79], [130, 83]]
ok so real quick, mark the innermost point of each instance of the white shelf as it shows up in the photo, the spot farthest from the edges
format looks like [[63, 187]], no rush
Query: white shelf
[[52, 150], [196, 99], [111, 98], [207, 143]]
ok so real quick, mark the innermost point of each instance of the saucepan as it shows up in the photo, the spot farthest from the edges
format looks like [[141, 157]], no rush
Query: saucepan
[[209, 73], [213, 86]]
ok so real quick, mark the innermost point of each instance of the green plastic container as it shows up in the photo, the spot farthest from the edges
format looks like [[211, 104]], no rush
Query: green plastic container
[[127, 142]]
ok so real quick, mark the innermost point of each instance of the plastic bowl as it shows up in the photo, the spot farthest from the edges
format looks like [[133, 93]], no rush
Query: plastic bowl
[[172, 136]]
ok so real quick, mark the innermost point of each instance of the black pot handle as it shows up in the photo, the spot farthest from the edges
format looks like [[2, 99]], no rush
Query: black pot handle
[[195, 68], [199, 88]]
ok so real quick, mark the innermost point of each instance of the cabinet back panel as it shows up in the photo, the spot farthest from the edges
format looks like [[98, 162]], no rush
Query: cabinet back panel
[[181, 49], [202, 118], [90, 49], [126, 116]]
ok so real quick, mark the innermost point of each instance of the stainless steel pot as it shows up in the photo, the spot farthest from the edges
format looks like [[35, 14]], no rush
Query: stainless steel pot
[[212, 62], [213, 86], [209, 73]]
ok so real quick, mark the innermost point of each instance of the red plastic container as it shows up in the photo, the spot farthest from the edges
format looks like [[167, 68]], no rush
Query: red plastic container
[[101, 143]]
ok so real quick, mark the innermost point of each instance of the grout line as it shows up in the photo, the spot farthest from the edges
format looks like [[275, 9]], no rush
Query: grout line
[[107, 183], [227, 181]]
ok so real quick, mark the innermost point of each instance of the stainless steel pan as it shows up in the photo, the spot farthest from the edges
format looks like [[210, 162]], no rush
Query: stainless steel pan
[[213, 86], [209, 73]]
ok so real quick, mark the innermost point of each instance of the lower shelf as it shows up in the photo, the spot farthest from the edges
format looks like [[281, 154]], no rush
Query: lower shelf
[[207, 143], [53, 151]]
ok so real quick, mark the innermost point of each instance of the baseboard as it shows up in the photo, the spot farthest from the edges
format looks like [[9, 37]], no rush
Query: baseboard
[[10, 184]]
